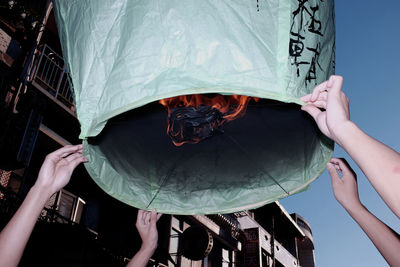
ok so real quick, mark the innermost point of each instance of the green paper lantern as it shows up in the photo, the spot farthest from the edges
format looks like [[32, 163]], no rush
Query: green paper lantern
[[124, 56]]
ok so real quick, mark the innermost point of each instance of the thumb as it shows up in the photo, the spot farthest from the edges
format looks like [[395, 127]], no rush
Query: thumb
[[335, 82], [312, 110]]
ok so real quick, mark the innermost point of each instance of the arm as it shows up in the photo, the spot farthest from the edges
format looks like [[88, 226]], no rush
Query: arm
[[146, 226], [345, 190], [380, 164], [54, 174]]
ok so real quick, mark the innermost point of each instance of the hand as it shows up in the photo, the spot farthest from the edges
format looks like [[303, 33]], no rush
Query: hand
[[57, 168], [146, 226], [328, 96], [344, 188]]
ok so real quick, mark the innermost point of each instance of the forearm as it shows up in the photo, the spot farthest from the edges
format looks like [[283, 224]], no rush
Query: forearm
[[383, 237], [16, 234], [141, 258], [380, 164]]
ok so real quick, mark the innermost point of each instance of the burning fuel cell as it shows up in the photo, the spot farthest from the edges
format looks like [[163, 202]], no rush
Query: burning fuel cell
[[195, 108], [193, 118]]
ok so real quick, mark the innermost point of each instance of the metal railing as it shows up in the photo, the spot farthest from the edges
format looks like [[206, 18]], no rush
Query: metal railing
[[50, 73]]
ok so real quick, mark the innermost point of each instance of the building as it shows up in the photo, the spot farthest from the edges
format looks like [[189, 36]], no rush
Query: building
[[81, 225]]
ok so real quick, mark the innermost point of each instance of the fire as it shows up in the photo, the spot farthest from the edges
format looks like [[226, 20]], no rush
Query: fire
[[192, 118]]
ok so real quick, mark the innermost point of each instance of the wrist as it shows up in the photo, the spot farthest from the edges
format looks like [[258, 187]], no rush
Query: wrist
[[42, 192], [148, 248], [353, 206], [342, 132]]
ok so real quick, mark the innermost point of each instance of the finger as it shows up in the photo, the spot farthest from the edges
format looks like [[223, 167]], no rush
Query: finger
[[147, 217], [139, 219], [323, 96], [334, 160], [67, 154], [317, 90], [153, 217], [312, 110], [73, 156], [306, 98], [337, 167], [335, 178], [74, 163], [335, 163], [144, 216], [159, 216], [320, 104], [66, 150], [314, 95], [347, 171]]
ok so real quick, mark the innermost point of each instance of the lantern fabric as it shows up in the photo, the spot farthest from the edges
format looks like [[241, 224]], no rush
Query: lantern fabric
[[125, 55]]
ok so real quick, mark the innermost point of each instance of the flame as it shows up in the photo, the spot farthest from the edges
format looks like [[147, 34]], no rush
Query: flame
[[225, 108]]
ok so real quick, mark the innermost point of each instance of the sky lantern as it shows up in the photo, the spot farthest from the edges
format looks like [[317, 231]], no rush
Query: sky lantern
[[194, 107]]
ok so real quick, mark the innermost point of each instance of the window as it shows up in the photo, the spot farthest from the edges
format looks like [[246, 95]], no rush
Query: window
[[176, 230]]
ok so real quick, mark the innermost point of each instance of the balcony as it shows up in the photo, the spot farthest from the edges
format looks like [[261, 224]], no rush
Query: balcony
[[49, 74]]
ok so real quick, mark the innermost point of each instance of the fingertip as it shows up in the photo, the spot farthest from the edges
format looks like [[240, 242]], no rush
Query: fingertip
[[336, 80], [330, 81]]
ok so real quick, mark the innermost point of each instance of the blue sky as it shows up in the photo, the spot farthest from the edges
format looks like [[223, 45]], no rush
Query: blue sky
[[367, 56]]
